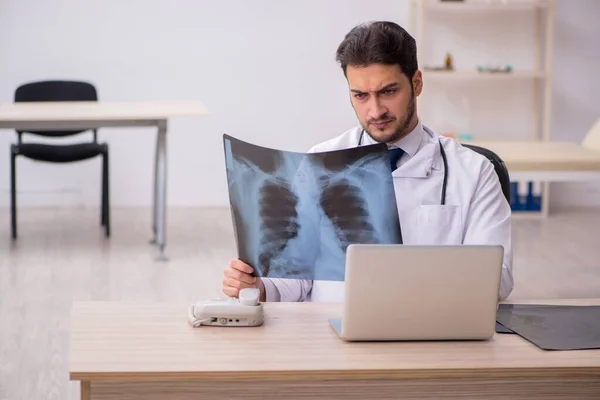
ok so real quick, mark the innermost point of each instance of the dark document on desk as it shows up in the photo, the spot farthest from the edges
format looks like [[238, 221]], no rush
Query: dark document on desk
[[502, 329], [295, 214], [553, 327]]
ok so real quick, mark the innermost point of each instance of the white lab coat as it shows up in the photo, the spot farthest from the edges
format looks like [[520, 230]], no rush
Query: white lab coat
[[476, 211]]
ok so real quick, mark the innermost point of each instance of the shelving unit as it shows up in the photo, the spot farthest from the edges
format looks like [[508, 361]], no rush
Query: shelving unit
[[538, 75], [483, 5], [475, 75]]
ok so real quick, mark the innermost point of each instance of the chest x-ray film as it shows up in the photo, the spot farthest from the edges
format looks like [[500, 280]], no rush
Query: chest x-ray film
[[553, 327], [295, 214]]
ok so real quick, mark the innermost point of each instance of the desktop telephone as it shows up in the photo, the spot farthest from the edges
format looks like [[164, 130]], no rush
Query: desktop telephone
[[245, 310]]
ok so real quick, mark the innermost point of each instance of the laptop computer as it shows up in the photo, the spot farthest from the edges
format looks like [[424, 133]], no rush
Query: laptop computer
[[420, 292]]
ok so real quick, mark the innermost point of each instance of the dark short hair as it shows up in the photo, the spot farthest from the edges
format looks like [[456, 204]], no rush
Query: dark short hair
[[380, 42]]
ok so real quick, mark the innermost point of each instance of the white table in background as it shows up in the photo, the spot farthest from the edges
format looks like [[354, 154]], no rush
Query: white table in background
[[91, 115], [554, 161]]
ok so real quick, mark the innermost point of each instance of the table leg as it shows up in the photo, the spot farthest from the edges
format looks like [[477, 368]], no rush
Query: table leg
[[155, 196], [86, 390], [161, 191]]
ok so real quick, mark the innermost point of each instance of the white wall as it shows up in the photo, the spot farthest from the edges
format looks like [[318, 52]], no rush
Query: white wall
[[265, 70], [576, 84]]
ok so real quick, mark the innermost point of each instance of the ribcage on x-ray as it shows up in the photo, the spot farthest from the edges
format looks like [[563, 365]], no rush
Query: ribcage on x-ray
[[295, 214], [279, 221], [343, 204]]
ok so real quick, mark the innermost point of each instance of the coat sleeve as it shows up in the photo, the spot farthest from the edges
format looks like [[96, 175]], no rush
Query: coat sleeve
[[489, 222], [290, 290]]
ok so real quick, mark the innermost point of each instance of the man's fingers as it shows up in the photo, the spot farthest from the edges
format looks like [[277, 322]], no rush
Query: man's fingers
[[235, 283], [240, 276], [230, 291], [237, 277], [241, 266]]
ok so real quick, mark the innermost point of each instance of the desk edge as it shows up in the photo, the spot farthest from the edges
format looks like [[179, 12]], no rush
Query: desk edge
[[302, 375]]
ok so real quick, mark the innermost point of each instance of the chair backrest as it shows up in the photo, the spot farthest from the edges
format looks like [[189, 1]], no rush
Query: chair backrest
[[55, 90], [499, 166]]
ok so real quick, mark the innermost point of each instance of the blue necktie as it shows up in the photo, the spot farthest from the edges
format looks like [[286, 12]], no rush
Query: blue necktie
[[395, 154]]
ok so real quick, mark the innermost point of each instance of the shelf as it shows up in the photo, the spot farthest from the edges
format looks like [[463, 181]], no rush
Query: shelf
[[476, 75], [483, 5]]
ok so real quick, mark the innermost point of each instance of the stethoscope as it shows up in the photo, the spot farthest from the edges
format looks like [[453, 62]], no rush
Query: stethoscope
[[443, 153]]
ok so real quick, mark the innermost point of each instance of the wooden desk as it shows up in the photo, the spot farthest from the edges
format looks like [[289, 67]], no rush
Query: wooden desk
[[93, 115], [148, 351]]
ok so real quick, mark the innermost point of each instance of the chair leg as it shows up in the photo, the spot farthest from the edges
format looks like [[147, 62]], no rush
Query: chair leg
[[106, 195], [103, 195], [13, 191]]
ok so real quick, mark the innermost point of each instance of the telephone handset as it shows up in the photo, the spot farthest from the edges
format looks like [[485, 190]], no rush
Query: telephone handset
[[246, 310]]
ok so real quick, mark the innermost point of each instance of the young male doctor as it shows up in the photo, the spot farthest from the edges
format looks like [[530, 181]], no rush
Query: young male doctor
[[379, 61]]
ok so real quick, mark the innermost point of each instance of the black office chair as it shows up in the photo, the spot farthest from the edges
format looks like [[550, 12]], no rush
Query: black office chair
[[499, 166], [63, 153]]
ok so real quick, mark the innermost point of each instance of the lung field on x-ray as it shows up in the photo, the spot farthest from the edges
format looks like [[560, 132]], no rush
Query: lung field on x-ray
[[279, 220], [259, 185], [344, 205], [342, 197]]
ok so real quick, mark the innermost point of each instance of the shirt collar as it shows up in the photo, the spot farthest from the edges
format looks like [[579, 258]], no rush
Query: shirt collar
[[409, 143]]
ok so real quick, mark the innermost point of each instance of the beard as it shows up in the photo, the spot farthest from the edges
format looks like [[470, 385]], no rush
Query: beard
[[401, 127]]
